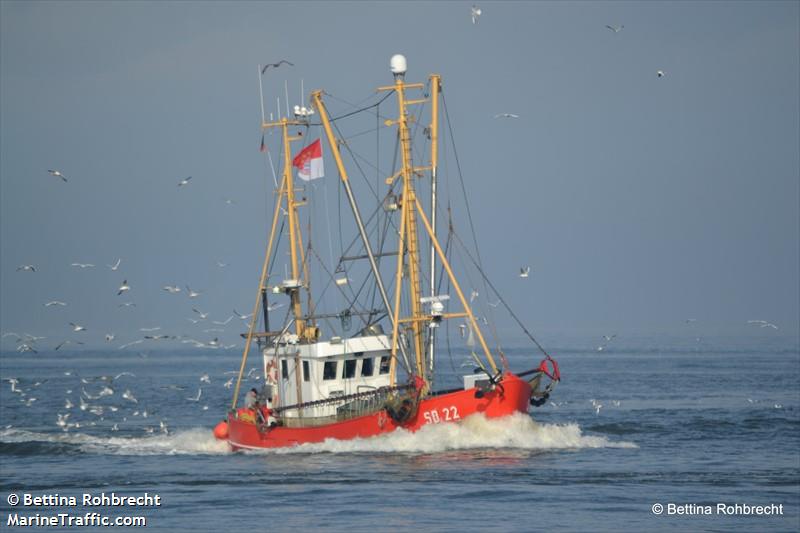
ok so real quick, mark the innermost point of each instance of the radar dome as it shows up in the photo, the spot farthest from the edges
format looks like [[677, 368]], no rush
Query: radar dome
[[398, 64]]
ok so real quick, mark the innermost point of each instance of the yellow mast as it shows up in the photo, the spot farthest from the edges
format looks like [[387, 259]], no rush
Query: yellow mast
[[294, 228], [435, 81], [286, 190]]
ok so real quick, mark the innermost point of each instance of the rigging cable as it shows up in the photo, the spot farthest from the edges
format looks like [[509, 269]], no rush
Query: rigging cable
[[502, 300]]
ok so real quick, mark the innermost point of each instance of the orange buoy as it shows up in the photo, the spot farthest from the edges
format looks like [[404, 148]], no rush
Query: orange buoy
[[221, 430]]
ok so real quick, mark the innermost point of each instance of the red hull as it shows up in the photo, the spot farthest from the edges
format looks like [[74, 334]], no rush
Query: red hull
[[513, 396]]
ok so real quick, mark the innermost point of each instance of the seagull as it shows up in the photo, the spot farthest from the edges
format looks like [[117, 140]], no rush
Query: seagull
[[660, 73], [276, 65], [205, 379], [58, 174], [67, 342], [192, 294], [22, 348], [615, 29], [524, 272], [124, 287], [76, 327], [109, 337], [203, 316], [172, 289], [273, 307], [495, 304], [220, 264], [228, 384], [115, 266], [225, 323], [506, 115], [608, 339], [147, 330], [184, 181], [474, 294], [131, 344], [26, 268], [127, 304], [763, 324], [54, 302], [476, 12], [463, 330], [691, 320], [158, 337], [82, 265], [243, 317], [197, 398], [128, 395]]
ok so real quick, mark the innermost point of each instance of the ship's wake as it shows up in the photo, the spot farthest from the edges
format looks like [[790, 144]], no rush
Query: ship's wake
[[518, 431]]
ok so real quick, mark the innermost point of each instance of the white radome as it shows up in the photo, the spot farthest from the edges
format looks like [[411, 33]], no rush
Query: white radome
[[398, 64]]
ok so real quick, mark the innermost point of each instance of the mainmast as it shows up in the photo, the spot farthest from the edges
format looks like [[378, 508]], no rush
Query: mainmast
[[435, 81], [408, 246]]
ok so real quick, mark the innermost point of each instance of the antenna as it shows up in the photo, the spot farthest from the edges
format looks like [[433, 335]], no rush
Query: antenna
[[286, 92], [260, 94], [302, 92], [279, 107]]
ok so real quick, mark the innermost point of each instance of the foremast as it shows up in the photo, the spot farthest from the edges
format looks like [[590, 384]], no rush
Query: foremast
[[285, 193]]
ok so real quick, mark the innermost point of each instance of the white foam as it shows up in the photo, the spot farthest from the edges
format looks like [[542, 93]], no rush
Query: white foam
[[196, 441], [476, 432], [517, 431]]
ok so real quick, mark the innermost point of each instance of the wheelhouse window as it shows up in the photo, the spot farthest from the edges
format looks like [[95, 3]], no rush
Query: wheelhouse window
[[384, 364], [329, 371], [306, 372], [284, 369], [367, 367], [349, 370]]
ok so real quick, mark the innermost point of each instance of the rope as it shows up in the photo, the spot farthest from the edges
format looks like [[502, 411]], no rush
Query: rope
[[502, 300]]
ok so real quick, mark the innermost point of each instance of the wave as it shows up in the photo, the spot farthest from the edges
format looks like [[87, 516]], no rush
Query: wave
[[476, 432], [196, 441], [517, 431]]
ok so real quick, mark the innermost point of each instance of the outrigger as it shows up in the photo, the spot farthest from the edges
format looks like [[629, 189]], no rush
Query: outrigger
[[350, 386]]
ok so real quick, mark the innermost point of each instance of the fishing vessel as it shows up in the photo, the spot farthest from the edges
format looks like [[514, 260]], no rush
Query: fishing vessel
[[325, 377]]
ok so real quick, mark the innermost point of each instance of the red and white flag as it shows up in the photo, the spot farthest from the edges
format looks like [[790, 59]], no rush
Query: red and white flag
[[309, 162]]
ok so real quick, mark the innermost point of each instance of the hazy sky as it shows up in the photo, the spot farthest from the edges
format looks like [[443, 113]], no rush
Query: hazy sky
[[638, 201]]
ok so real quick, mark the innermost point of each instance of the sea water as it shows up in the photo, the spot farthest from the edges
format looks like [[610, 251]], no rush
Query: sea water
[[682, 423]]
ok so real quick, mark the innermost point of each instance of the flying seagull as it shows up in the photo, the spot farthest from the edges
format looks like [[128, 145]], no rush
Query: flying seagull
[[192, 294], [203, 316], [54, 302], [115, 266], [762, 323], [524, 272], [26, 268], [184, 181], [243, 317], [58, 174], [172, 289], [276, 65], [506, 115], [124, 287], [615, 29], [67, 342], [660, 73], [476, 12], [76, 327], [83, 265]]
